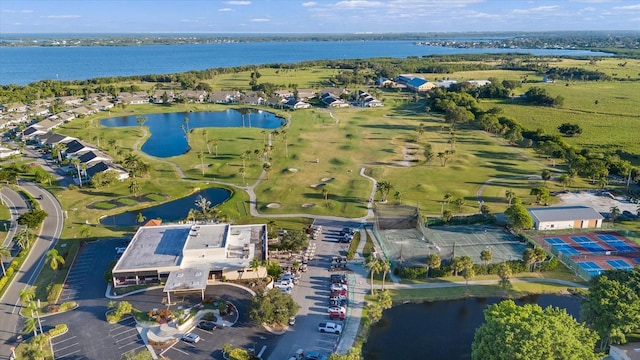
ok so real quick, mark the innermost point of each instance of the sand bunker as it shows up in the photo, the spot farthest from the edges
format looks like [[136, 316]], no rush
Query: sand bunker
[[293, 170], [327, 179], [308, 205], [274, 205], [319, 185]]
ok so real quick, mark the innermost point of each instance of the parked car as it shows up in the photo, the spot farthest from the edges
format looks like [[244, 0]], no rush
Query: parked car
[[338, 302], [191, 338], [206, 325], [338, 287], [339, 278], [337, 315], [342, 292], [341, 309]]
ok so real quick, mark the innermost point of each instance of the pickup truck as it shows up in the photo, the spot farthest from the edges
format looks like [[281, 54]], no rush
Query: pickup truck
[[330, 327]]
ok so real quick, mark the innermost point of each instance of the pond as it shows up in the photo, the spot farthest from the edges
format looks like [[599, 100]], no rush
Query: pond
[[168, 130], [169, 212], [442, 329]]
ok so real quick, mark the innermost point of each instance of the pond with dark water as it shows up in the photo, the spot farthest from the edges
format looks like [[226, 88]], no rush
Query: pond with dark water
[[172, 211], [441, 330], [168, 130]]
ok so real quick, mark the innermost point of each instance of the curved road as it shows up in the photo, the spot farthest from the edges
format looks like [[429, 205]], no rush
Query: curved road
[[26, 276]]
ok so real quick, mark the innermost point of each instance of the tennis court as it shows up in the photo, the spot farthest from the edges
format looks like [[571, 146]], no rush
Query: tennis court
[[591, 267], [619, 264], [412, 246], [562, 246], [588, 244]]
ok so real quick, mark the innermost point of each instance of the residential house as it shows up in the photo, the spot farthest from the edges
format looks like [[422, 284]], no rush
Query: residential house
[[40, 128], [14, 108], [101, 166], [479, 83], [83, 111], [294, 104], [71, 101], [103, 104], [138, 97], [224, 97], [197, 96], [253, 98], [332, 100], [66, 116], [365, 99], [93, 156], [306, 94], [445, 83], [159, 95], [284, 94], [76, 148], [52, 139]]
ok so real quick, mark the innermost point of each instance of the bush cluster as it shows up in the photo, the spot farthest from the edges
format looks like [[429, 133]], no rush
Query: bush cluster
[[58, 330]]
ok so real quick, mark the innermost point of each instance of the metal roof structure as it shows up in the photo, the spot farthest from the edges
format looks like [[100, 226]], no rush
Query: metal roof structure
[[564, 213]]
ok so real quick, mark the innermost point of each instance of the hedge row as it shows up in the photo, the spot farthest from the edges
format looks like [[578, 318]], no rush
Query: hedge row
[[517, 266], [12, 269]]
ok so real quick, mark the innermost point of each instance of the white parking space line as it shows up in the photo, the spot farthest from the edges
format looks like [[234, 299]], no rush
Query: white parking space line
[[60, 342], [68, 346], [127, 344], [178, 350], [68, 354]]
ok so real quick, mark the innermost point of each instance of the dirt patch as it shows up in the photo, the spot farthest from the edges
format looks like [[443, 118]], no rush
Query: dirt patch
[[409, 158], [293, 170], [327, 179], [274, 205], [317, 186], [308, 205], [599, 200]]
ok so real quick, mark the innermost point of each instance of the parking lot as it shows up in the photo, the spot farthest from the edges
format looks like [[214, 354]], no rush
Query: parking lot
[[312, 294]]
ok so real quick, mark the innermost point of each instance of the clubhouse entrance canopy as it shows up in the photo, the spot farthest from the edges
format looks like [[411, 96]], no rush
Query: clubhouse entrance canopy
[[187, 280]]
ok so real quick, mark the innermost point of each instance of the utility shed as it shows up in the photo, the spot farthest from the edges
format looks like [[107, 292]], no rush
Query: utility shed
[[565, 217]]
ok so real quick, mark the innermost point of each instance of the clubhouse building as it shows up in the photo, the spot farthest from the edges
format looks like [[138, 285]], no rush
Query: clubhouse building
[[188, 257], [565, 217]]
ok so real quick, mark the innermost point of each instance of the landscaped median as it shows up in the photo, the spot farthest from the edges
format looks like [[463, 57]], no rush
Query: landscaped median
[[38, 346]]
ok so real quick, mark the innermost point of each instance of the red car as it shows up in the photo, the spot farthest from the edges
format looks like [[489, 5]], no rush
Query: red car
[[339, 315], [339, 293]]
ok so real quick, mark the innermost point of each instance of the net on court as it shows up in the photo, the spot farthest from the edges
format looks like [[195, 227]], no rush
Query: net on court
[[470, 240], [412, 246]]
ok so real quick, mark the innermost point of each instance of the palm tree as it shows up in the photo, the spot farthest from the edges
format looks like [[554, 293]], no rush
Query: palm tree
[[57, 151], [243, 172], [131, 163], [486, 255], [373, 265], [5, 253], [433, 262], [214, 143], [385, 267], [243, 157], [398, 196], [141, 120], [383, 187], [603, 182], [134, 188], [201, 157], [266, 167], [203, 204], [510, 194], [23, 238], [286, 143], [565, 180], [545, 175], [615, 212], [420, 129], [255, 266], [447, 198], [54, 259], [325, 194], [30, 325], [27, 294], [76, 162], [460, 203]]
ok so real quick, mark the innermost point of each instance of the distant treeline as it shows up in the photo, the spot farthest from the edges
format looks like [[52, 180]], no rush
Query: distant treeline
[[355, 72]]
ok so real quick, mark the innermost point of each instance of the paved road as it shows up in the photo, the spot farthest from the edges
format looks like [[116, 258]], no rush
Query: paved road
[[51, 228]]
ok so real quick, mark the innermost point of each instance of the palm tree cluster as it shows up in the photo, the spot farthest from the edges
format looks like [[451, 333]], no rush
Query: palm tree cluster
[[383, 187], [375, 266]]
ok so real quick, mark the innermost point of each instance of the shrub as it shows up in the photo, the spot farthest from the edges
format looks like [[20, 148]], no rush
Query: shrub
[[413, 272], [68, 305], [58, 330], [549, 265]]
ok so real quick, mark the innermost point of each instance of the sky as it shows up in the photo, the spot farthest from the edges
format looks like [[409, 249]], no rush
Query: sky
[[319, 16]]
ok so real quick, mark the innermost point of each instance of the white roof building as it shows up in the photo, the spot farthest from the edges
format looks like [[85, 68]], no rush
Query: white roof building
[[565, 217]]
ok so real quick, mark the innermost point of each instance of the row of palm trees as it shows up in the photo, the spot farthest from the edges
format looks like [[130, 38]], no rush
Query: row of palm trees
[[375, 266]]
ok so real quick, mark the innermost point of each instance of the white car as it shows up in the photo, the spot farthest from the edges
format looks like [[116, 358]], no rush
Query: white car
[[338, 309], [191, 337], [338, 287]]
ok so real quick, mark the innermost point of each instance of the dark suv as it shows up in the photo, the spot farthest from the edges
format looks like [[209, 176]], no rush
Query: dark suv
[[206, 325]]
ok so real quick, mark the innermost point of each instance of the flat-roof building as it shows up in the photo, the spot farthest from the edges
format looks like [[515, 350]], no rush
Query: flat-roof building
[[189, 256], [565, 217]]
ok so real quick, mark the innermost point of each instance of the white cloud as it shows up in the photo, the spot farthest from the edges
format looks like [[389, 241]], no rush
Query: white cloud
[[225, 9], [536, 9], [310, 3], [260, 20], [26, 11], [238, 3], [63, 16], [358, 4], [587, 9], [628, 7]]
